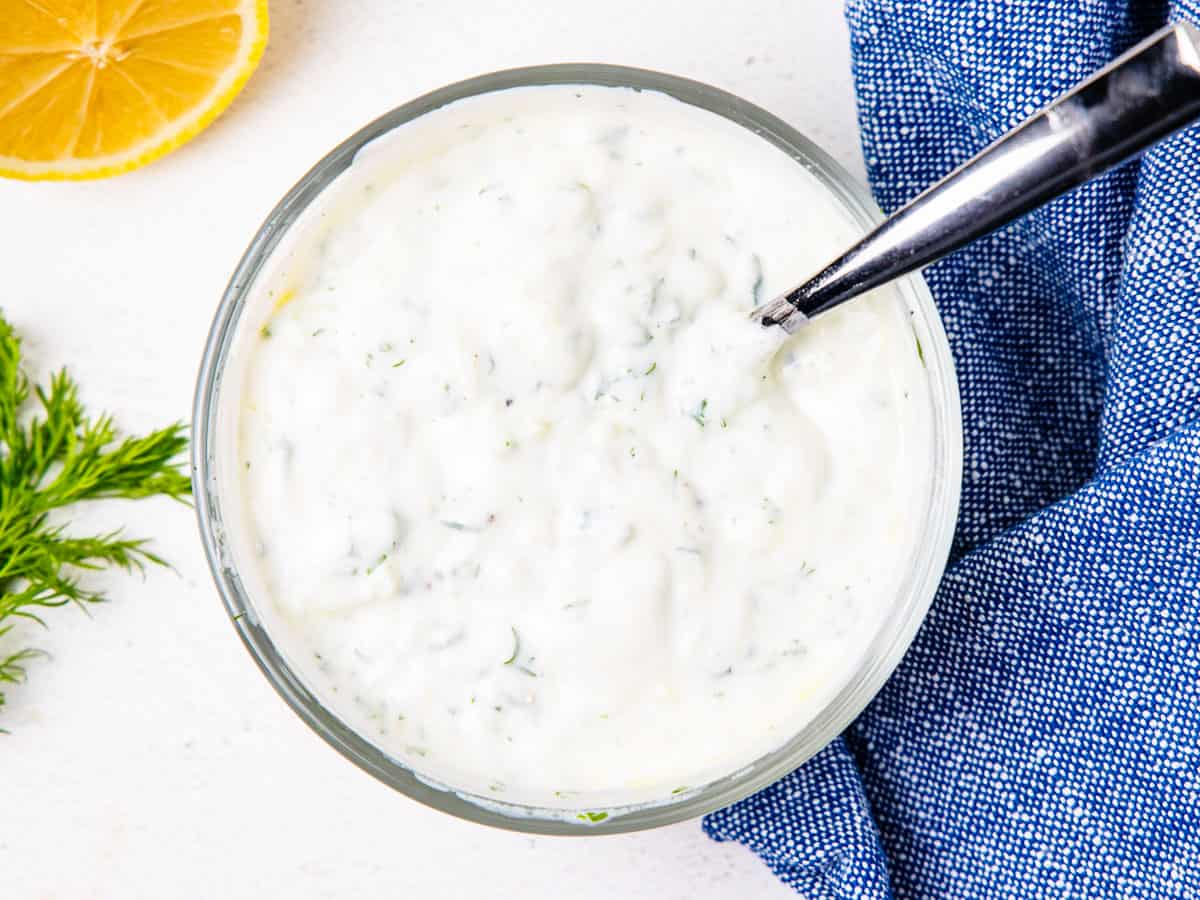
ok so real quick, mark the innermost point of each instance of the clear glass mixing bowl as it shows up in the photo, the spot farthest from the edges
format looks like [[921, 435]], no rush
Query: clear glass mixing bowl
[[895, 633]]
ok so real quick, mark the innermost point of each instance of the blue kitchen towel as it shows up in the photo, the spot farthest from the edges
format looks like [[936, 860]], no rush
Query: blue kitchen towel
[[1042, 736]]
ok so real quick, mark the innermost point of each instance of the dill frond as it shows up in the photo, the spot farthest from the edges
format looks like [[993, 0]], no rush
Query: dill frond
[[53, 456]]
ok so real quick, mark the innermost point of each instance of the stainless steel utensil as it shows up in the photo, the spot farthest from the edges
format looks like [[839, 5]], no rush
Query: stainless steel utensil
[[1145, 95]]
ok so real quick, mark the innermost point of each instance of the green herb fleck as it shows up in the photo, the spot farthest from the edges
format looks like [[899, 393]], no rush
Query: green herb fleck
[[516, 647], [397, 365], [653, 366], [678, 790], [463, 526], [265, 332], [592, 816], [724, 424], [920, 349], [756, 288], [700, 412]]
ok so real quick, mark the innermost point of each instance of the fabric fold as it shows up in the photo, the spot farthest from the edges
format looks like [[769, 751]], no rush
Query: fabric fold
[[815, 832]]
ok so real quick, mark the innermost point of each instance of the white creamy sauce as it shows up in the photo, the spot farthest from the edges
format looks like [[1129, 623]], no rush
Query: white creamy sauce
[[529, 499]]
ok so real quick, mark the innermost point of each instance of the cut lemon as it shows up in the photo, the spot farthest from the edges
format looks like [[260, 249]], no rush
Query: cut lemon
[[90, 88]]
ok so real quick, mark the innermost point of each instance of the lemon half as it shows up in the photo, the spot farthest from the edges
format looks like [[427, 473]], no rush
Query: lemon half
[[90, 88]]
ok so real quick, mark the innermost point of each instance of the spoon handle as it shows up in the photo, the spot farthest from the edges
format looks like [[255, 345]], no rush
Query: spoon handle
[[1137, 100]]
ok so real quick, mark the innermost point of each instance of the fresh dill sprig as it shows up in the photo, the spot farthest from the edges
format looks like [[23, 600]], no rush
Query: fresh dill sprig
[[54, 456]]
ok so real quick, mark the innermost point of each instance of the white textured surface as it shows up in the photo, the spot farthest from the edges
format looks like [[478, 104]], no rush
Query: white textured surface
[[149, 758]]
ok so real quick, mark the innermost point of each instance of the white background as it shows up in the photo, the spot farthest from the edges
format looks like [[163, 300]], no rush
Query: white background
[[148, 757]]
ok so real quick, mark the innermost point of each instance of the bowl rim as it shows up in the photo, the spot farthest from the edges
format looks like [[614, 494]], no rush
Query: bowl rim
[[881, 656]]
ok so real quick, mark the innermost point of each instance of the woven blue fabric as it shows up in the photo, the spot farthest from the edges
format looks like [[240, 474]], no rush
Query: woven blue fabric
[[1042, 736]]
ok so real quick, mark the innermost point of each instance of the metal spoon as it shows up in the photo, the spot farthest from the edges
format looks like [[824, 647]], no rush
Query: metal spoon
[[1137, 100]]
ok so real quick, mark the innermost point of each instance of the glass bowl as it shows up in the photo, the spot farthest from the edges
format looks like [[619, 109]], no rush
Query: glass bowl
[[882, 655]]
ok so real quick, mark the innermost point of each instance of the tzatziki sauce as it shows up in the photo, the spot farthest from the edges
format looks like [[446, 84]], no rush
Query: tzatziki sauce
[[525, 495]]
